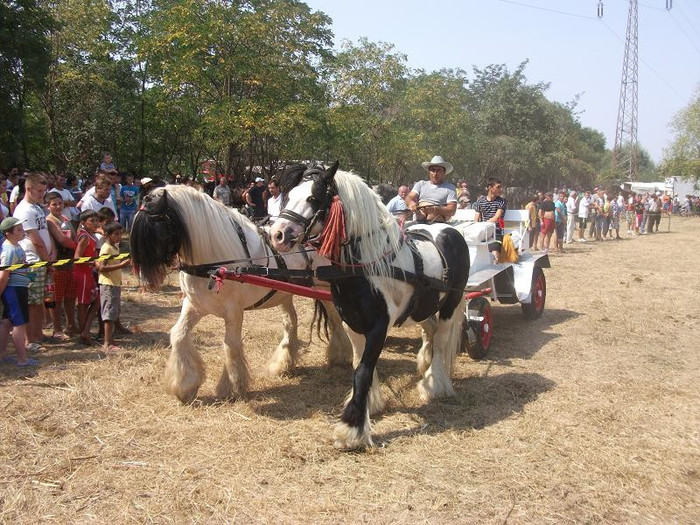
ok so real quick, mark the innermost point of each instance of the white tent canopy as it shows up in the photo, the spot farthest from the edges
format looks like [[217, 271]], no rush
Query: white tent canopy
[[644, 187]]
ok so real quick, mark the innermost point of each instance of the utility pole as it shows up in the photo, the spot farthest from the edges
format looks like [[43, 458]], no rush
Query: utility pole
[[625, 159]]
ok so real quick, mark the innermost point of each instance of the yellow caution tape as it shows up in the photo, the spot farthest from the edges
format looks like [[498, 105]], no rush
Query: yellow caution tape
[[61, 263]]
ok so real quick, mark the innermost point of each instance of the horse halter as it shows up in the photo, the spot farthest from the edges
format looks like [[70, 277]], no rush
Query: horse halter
[[322, 193], [156, 210]]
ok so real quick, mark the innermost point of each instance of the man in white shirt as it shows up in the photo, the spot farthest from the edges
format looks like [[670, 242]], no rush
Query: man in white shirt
[[99, 198], [37, 246], [114, 191], [583, 206], [274, 203], [571, 216]]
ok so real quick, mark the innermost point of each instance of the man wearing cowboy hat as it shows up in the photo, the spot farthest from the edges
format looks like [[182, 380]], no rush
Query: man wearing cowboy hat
[[433, 200]]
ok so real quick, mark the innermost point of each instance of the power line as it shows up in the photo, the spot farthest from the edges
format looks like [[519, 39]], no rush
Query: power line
[[695, 15], [684, 33], [652, 7], [646, 64], [522, 4]]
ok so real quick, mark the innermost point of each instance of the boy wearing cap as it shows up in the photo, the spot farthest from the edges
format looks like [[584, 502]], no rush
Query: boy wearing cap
[[433, 200], [15, 294]]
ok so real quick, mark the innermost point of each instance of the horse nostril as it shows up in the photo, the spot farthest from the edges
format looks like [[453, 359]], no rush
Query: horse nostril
[[278, 236]]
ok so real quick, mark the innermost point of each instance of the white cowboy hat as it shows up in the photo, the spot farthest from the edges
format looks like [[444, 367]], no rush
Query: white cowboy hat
[[146, 180], [437, 160]]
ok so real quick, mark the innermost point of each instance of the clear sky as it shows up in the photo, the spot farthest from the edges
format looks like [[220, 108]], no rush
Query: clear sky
[[565, 42]]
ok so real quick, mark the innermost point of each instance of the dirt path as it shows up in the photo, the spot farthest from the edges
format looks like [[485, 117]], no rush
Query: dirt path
[[590, 414]]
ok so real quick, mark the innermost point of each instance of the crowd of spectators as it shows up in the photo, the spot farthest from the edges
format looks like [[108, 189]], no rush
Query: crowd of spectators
[[47, 217]]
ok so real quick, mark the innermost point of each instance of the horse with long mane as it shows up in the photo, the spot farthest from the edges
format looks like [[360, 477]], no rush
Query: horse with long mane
[[381, 277], [178, 222]]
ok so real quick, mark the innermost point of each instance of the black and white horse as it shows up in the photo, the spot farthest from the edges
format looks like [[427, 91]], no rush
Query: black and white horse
[[381, 277], [180, 221]]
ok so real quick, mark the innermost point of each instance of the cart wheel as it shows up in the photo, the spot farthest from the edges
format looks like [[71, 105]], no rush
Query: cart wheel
[[478, 329], [538, 291]]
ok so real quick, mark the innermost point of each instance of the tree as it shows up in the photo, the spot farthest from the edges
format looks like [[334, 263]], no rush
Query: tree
[[367, 82], [436, 112], [682, 158], [248, 70], [25, 54], [88, 99]]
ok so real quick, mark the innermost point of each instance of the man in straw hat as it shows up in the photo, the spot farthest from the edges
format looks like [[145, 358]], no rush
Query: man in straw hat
[[433, 200]]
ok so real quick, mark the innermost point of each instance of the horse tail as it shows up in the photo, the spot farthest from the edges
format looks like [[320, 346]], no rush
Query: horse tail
[[320, 320]]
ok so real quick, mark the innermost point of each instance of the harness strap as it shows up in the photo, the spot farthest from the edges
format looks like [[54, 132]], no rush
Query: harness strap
[[417, 290], [294, 217], [241, 236], [334, 272]]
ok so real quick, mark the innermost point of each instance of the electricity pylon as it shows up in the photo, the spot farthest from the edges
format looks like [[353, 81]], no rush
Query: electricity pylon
[[625, 160]]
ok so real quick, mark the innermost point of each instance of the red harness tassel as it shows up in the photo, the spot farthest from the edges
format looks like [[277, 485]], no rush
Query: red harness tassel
[[333, 234]]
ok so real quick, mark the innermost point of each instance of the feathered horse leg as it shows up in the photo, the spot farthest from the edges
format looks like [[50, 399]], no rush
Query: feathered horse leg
[[425, 354], [437, 379], [284, 358], [339, 350], [184, 372], [354, 429], [375, 400], [235, 375]]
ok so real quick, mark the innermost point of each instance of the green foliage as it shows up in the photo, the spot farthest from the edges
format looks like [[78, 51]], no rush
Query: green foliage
[[167, 84], [682, 158], [24, 62]]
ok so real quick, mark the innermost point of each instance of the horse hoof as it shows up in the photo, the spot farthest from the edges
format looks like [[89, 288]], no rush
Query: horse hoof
[[432, 388], [279, 368], [186, 398], [339, 361], [346, 437]]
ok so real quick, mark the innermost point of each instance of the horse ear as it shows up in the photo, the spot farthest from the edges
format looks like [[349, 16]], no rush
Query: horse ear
[[330, 172], [156, 204]]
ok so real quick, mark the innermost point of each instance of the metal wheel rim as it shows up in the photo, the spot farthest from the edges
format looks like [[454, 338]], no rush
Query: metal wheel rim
[[538, 295], [486, 325]]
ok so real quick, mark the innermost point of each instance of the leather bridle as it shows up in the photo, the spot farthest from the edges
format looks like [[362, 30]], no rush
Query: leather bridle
[[322, 193]]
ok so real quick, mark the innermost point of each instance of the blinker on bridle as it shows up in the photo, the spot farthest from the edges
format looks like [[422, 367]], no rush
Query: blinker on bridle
[[320, 205]]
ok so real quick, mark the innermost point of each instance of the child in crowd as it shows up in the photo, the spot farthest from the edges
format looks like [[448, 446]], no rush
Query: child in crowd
[[86, 288], [15, 295], [63, 235], [110, 284], [127, 209], [106, 216]]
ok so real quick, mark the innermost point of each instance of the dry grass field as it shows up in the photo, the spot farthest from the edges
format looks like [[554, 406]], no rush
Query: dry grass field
[[588, 415]]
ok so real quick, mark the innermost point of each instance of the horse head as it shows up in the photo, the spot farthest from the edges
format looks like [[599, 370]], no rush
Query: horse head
[[157, 235], [309, 194]]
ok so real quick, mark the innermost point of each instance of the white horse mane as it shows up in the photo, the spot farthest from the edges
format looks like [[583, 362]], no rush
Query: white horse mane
[[367, 220], [220, 239]]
